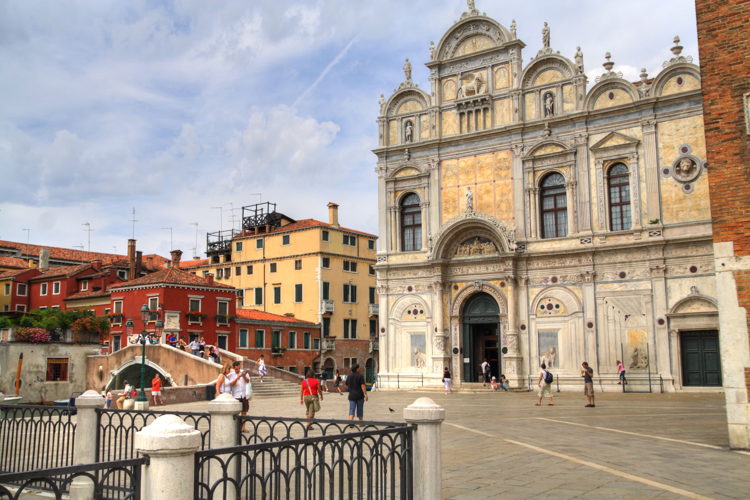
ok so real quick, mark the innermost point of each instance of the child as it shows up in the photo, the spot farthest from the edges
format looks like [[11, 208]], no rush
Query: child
[[108, 399], [621, 370], [493, 383]]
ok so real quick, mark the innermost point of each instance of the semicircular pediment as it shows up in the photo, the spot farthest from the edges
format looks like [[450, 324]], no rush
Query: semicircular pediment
[[476, 246], [471, 35]]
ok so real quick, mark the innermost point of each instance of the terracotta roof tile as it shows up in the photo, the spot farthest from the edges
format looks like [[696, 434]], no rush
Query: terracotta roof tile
[[15, 272], [88, 294], [305, 223], [254, 314], [171, 276], [13, 262], [59, 253], [193, 263], [56, 271]]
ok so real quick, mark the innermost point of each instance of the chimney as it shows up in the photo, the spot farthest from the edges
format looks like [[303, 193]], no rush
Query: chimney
[[210, 278], [333, 214], [138, 263], [176, 255], [131, 259], [44, 259]]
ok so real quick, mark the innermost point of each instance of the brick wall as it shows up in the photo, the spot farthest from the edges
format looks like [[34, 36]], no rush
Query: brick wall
[[723, 27]]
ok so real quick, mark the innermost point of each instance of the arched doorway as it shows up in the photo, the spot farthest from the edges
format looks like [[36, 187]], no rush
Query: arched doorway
[[481, 334], [370, 370], [328, 368]]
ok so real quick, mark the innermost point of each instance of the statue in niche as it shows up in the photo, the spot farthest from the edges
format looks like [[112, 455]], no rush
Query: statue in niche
[[639, 358], [579, 59], [685, 168], [432, 50], [420, 359], [407, 70], [549, 104], [408, 131], [548, 358], [513, 29], [545, 35], [469, 200]]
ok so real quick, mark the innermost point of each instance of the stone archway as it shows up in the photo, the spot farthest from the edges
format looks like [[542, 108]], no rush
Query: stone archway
[[480, 336]]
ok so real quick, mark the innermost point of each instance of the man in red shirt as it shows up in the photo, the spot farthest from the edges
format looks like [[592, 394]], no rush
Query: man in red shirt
[[310, 395], [156, 390]]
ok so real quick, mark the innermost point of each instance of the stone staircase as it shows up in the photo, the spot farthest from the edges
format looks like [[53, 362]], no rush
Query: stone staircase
[[273, 387]]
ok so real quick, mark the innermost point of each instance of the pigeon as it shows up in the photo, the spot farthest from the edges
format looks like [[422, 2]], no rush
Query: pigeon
[[391, 410]]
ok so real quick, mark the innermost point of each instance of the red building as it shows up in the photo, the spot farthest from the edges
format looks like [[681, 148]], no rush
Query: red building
[[16, 288], [285, 342], [190, 306], [52, 286]]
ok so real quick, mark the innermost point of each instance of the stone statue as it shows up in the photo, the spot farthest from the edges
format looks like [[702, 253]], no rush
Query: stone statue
[[407, 154], [549, 104], [545, 35], [382, 104], [579, 59], [407, 70], [639, 358], [408, 132], [470, 5], [432, 50], [513, 29], [469, 200]]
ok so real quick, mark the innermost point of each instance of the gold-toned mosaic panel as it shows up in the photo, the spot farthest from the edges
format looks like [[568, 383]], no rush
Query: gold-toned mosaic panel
[[530, 106], [406, 172], [450, 122], [680, 83], [612, 97], [474, 44], [549, 148], [548, 76], [569, 99], [449, 89], [393, 132], [424, 126], [409, 106], [501, 77], [503, 112]]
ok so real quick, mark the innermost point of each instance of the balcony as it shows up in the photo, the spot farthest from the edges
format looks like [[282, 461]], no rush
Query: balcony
[[195, 318], [374, 346], [116, 319], [326, 306], [277, 351], [328, 344], [373, 310]]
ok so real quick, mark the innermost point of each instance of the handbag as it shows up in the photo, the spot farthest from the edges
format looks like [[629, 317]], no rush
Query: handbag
[[249, 391], [315, 401]]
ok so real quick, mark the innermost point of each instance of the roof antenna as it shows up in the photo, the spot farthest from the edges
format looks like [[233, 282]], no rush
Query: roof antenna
[[133, 220]]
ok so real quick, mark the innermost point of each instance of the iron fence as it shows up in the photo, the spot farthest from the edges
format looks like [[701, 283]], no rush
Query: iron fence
[[274, 429], [372, 464], [58, 480], [35, 437]]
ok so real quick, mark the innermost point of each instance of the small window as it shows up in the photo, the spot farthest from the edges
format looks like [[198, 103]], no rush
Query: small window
[[117, 306], [242, 340], [371, 270], [277, 295], [285, 239], [316, 344], [272, 267], [292, 340], [222, 309], [6, 289], [249, 270], [56, 288], [297, 264], [219, 274], [43, 289], [350, 328], [57, 369], [298, 292], [195, 305], [20, 307], [350, 293], [326, 330], [373, 328], [326, 290], [227, 272], [371, 244], [238, 246], [350, 240], [259, 296], [21, 290], [373, 296], [325, 235], [259, 243], [153, 304], [260, 338], [350, 266], [276, 339], [326, 262], [122, 274], [237, 270], [84, 285], [306, 340]]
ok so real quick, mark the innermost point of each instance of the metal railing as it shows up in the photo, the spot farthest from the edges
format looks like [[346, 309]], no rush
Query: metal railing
[[35, 437], [58, 480], [372, 464], [406, 379]]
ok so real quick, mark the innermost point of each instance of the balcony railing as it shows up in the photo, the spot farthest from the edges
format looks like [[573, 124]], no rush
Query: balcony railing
[[326, 306], [373, 310], [328, 344], [195, 318], [277, 351]]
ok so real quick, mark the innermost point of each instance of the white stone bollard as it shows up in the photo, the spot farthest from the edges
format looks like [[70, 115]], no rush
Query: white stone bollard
[[428, 416], [223, 409], [84, 448], [170, 444]]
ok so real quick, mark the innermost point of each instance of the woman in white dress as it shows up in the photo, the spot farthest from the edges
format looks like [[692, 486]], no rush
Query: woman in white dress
[[262, 370]]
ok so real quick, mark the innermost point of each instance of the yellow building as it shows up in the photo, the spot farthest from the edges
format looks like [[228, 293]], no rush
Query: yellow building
[[308, 269]]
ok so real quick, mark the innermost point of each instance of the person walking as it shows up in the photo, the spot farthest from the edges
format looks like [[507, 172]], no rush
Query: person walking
[[485, 372], [202, 348], [262, 370], [194, 347], [310, 394], [156, 390], [545, 386], [621, 371], [238, 382], [447, 382], [355, 383], [125, 393], [337, 382], [222, 383], [588, 384]]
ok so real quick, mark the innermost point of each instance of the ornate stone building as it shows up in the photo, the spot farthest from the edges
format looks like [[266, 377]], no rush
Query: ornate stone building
[[527, 215]]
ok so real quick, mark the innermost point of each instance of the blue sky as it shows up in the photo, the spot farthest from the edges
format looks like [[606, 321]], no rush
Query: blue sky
[[177, 107]]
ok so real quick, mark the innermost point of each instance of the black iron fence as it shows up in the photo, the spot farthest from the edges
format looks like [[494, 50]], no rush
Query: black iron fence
[[35, 437], [58, 480], [274, 429], [371, 464]]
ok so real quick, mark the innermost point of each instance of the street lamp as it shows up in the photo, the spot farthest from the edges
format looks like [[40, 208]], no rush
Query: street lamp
[[143, 339]]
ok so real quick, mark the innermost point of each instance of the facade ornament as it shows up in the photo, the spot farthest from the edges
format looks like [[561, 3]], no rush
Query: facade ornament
[[579, 59], [508, 233], [644, 89], [608, 65], [694, 290], [471, 84], [677, 52], [545, 35], [513, 28], [478, 285], [382, 104], [407, 154], [407, 71], [477, 246], [432, 51], [549, 104], [547, 131], [438, 343], [408, 131], [686, 168], [469, 201], [471, 9]]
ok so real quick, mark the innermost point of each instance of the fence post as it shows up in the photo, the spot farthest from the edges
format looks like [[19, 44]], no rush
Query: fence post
[[84, 446], [426, 462], [170, 445], [224, 432]]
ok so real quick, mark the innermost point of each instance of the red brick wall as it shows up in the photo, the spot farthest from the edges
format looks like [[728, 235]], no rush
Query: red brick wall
[[723, 27]]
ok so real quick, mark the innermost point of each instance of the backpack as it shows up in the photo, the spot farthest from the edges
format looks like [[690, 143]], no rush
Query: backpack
[[548, 377]]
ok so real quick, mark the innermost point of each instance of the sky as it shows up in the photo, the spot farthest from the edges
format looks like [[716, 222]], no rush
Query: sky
[[177, 108]]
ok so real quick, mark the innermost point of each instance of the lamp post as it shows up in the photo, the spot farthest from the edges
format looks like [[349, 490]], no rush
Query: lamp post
[[142, 400]]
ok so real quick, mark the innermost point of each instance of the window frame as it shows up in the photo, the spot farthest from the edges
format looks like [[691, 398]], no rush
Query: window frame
[[325, 235], [553, 192], [297, 264], [25, 289], [63, 362], [285, 240], [277, 294], [56, 287], [292, 339], [623, 207], [298, 293], [240, 343], [409, 208], [260, 333], [272, 267], [259, 244], [43, 289]]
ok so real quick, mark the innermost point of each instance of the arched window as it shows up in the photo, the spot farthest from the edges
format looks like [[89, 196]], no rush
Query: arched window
[[411, 223], [554, 207], [618, 181]]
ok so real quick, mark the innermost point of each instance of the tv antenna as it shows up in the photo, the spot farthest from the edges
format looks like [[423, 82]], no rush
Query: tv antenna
[[88, 230], [171, 244], [195, 247], [133, 220], [28, 234]]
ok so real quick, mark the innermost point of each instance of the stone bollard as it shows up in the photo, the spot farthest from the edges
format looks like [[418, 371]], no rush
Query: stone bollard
[[84, 448], [223, 409], [170, 444], [426, 458]]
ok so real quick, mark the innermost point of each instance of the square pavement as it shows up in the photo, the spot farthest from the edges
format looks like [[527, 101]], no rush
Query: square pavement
[[500, 445]]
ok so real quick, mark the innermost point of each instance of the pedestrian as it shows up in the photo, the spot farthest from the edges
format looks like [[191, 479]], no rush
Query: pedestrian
[[310, 394], [485, 372], [124, 395], [493, 383], [545, 386], [182, 345], [202, 347], [337, 382], [262, 370], [238, 382], [222, 383], [213, 355], [108, 400], [355, 383], [156, 390], [194, 347], [447, 382], [588, 384], [621, 370], [503, 383]]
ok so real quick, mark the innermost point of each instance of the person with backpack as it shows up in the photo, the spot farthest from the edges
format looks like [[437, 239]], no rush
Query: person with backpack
[[486, 368], [545, 386], [588, 384]]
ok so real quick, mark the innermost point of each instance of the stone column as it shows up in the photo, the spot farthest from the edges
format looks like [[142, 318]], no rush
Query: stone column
[[512, 360], [84, 448], [661, 332], [425, 214], [223, 409], [584, 190], [170, 444], [456, 354], [518, 188], [651, 167], [427, 416], [570, 187], [382, 207]]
